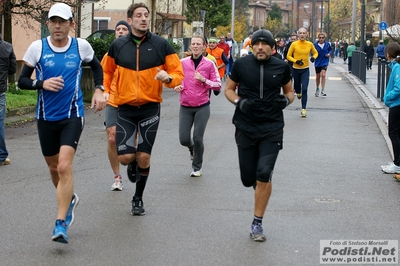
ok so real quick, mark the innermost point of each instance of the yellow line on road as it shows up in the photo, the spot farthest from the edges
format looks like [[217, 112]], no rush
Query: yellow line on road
[[329, 78]]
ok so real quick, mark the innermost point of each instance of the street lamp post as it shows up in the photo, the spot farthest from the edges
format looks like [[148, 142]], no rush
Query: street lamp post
[[362, 25], [233, 20], [203, 16], [314, 28], [380, 18], [328, 26], [322, 15]]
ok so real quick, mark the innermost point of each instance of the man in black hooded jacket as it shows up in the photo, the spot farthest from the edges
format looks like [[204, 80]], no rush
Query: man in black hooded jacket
[[259, 79], [8, 65]]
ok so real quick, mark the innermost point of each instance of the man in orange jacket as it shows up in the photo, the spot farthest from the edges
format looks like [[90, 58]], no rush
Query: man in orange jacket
[[144, 63], [219, 55]]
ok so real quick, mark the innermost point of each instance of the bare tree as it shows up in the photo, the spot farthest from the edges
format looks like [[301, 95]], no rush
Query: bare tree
[[23, 12], [392, 17]]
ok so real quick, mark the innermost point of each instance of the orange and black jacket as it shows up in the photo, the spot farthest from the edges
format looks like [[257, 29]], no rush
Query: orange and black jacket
[[134, 67]]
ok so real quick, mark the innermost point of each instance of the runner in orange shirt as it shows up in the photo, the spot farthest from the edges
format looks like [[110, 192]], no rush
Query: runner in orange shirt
[[219, 55], [227, 50]]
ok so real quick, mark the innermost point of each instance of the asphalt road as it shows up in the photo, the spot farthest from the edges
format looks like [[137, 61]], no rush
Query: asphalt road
[[327, 185]]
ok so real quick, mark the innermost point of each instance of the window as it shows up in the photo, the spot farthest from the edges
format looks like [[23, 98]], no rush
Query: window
[[100, 23], [305, 23]]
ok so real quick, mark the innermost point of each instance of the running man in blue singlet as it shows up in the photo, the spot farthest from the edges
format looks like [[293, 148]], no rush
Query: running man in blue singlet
[[60, 110]]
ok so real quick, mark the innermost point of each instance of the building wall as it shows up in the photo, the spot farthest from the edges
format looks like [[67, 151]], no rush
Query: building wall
[[23, 37], [113, 11]]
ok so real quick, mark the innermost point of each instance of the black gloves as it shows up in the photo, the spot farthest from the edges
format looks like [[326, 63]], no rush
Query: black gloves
[[216, 92], [281, 101], [300, 62], [312, 59], [244, 105]]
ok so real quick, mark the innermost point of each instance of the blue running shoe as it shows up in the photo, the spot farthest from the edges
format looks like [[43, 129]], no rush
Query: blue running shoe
[[60, 232], [69, 219], [257, 233]]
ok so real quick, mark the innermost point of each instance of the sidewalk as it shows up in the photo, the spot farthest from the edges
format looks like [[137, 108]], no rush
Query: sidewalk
[[368, 92]]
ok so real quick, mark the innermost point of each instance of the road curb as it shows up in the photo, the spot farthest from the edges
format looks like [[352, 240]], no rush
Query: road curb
[[20, 111], [18, 114], [378, 110]]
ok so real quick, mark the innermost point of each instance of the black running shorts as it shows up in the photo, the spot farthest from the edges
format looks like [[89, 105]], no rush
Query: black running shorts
[[319, 69], [257, 157], [131, 120], [54, 134]]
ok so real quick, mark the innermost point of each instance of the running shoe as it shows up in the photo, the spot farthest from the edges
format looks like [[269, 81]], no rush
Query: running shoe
[[7, 161], [396, 177], [323, 93], [60, 232], [303, 113], [117, 185], [384, 166], [196, 173], [299, 96], [257, 233], [392, 169], [69, 219], [317, 92], [132, 171], [137, 206]]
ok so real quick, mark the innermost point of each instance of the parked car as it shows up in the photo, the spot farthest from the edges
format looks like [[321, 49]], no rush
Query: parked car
[[102, 34]]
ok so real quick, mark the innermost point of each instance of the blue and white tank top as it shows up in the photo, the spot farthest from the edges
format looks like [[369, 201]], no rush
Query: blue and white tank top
[[68, 102]]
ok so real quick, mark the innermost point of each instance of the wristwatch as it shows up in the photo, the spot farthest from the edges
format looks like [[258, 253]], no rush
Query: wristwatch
[[169, 79], [101, 87], [235, 102]]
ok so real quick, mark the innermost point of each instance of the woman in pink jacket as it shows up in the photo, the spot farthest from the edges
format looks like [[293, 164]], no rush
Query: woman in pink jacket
[[201, 76]]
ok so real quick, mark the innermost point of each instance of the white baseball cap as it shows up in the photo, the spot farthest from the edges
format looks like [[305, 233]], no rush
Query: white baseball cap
[[60, 10], [243, 52]]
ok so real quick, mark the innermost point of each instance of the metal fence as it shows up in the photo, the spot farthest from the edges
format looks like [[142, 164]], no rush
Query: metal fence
[[359, 65], [383, 76]]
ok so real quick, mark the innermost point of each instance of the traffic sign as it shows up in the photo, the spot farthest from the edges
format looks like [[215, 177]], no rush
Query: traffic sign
[[197, 24], [383, 25]]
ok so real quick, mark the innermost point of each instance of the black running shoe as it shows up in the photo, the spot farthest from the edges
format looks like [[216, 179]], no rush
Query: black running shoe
[[137, 206], [132, 171]]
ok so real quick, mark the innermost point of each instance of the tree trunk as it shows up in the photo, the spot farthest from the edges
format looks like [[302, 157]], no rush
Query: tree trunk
[[7, 34]]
